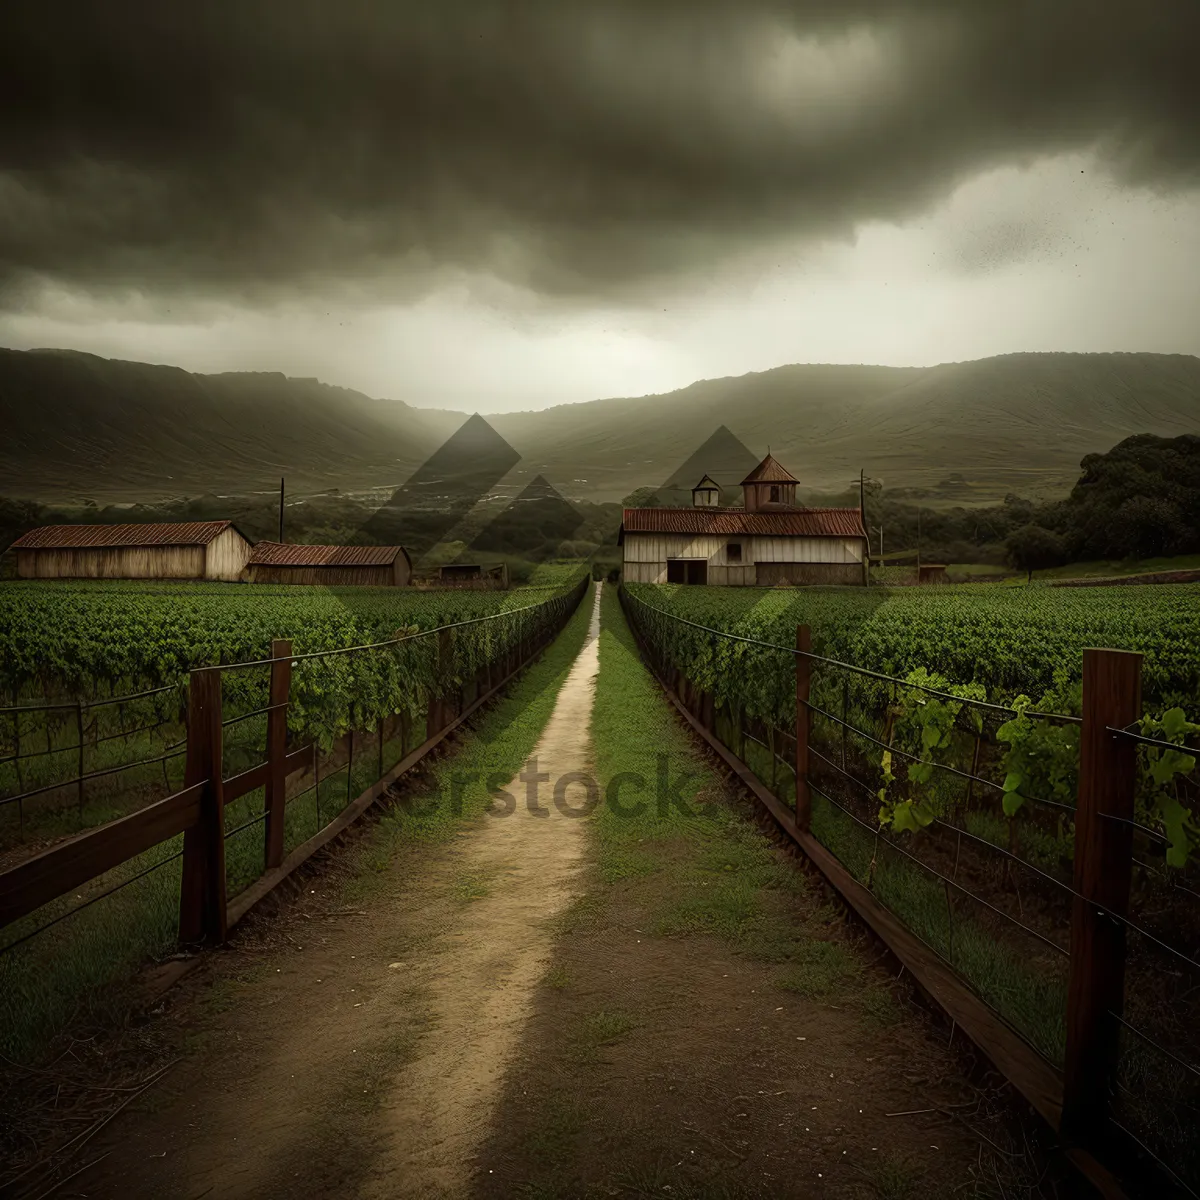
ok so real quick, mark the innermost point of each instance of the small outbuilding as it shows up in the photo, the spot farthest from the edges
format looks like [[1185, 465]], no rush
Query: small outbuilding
[[932, 573], [334, 566], [177, 550]]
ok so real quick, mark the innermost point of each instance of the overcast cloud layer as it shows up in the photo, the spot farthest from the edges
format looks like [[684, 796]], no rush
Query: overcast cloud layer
[[260, 149], [616, 197]]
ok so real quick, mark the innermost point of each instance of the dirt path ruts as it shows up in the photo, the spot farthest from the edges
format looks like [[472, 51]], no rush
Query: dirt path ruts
[[439, 1111], [367, 1059]]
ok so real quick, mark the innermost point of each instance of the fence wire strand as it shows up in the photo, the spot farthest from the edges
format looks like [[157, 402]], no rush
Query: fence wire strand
[[89, 902], [944, 878]]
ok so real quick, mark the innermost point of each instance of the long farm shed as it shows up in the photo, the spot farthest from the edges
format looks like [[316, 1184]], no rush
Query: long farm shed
[[176, 550], [377, 566]]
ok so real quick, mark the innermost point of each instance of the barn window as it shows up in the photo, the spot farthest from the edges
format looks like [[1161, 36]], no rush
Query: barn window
[[774, 493], [733, 552]]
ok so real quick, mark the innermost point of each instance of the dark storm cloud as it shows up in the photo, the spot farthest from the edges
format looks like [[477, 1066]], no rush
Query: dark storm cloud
[[261, 151]]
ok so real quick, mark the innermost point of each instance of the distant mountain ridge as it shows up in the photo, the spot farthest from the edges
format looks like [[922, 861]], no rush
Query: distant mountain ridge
[[78, 425]]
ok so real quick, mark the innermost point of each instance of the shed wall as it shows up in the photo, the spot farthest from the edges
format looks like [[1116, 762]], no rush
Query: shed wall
[[807, 550], [226, 556], [120, 562], [846, 574], [384, 576]]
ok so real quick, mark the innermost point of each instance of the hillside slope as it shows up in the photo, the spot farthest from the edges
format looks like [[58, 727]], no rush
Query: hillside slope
[[1015, 422], [75, 424], [80, 425]]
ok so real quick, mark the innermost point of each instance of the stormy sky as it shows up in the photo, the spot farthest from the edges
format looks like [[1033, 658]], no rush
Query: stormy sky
[[496, 205]]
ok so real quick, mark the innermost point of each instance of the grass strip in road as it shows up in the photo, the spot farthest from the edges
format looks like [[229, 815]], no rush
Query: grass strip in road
[[664, 815]]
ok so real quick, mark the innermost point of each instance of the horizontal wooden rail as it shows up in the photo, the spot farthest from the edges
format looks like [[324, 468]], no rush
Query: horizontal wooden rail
[[237, 786], [67, 866], [241, 784]]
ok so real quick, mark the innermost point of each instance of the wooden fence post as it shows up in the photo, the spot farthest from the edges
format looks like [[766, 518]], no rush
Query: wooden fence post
[[803, 724], [202, 911], [281, 685], [1112, 696]]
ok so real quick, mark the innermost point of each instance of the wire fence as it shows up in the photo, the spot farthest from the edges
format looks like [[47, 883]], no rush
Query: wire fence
[[845, 770], [53, 952], [68, 765]]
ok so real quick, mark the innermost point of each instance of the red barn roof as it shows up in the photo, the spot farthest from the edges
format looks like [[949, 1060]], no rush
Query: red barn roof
[[770, 470], [81, 537], [285, 554], [792, 522]]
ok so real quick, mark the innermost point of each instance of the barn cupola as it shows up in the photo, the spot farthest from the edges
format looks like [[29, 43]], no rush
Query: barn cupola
[[707, 493], [769, 486]]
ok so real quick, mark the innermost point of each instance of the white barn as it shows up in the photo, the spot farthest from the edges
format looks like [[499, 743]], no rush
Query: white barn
[[766, 542]]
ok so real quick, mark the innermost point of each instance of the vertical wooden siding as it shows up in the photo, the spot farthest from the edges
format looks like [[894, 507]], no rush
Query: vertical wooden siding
[[646, 556], [116, 562], [226, 556]]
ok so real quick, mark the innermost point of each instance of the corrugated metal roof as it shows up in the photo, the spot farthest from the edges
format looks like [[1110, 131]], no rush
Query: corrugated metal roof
[[80, 537], [794, 522], [283, 554], [770, 470]]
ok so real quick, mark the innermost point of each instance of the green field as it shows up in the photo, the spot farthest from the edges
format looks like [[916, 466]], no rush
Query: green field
[[1009, 640], [89, 643], [92, 638]]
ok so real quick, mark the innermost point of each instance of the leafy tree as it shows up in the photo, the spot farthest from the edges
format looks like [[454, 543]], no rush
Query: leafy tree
[[1032, 548], [1145, 527], [644, 497], [1140, 499]]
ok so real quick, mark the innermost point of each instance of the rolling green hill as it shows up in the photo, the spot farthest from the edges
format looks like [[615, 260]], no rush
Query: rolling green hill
[[1019, 422], [77, 425]]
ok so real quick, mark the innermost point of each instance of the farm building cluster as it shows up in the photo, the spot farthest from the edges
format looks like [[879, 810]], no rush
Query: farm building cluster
[[768, 540], [219, 551], [765, 541], [200, 550]]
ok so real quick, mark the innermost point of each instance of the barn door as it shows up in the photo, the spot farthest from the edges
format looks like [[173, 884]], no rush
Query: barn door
[[687, 570]]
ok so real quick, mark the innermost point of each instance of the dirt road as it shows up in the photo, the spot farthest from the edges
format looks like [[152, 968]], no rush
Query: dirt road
[[524, 1010]]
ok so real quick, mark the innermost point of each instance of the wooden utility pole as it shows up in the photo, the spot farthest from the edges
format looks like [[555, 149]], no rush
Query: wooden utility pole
[[281, 508], [862, 520]]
